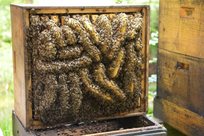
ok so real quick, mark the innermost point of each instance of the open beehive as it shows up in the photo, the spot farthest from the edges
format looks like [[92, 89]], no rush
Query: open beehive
[[75, 64]]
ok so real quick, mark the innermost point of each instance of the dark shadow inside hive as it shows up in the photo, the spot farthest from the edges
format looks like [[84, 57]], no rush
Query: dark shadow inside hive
[[102, 126]]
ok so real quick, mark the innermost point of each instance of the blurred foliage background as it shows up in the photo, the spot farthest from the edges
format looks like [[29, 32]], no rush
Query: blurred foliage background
[[6, 68]]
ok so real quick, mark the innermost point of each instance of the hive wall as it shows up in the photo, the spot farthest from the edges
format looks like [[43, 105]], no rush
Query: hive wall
[[20, 64]]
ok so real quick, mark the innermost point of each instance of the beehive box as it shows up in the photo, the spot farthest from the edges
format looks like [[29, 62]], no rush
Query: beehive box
[[179, 100], [74, 64]]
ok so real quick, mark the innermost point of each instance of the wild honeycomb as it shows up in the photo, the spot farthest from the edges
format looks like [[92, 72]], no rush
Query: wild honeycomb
[[85, 66]]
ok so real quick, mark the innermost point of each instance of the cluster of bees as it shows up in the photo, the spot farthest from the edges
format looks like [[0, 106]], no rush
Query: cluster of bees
[[85, 63]]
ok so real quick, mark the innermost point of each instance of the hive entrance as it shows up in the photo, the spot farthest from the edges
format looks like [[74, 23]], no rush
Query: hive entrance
[[85, 66]]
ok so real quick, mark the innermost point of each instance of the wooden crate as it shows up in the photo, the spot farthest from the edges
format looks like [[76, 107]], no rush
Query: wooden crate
[[181, 27], [137, 125], [179, 100], [23, 84]]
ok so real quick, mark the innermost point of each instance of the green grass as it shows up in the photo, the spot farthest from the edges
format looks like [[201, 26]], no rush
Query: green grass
[[6, 74], [6, 89], [6, 106], [151, 95], [6, 68]]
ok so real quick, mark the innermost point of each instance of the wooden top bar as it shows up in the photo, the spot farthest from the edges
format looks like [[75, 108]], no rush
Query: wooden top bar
[[62, 9]]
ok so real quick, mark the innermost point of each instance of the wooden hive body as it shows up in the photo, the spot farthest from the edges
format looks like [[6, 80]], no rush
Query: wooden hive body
[[24, 59], [180, 95]]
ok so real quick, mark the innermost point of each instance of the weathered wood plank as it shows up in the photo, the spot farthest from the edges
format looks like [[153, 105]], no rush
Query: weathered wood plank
[[180, 80], [152, 68], [145, 41], [184, 120], [181, 27], [18, 39]]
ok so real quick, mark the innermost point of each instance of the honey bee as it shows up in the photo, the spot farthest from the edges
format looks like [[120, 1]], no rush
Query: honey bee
[[48, 95], [52, 32], [63, 19], [44, 19], [35, 20], [130, 66], [120, 25], [70, 52], [56, 33], [75, 93], [111, 16], [45, 36], [61, 67], [34, 29], [83, 61], [104, 28], [134, 25], [119, 31], [139, 45], [48, 24], [47, 51], [69, 35], [116, 64], [84, 38], [94, 18], [64, 94], [55, 18], [102, 79], [90, 28], [93, 89]]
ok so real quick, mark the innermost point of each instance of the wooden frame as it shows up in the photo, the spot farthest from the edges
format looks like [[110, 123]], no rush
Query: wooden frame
[[22, 70]]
